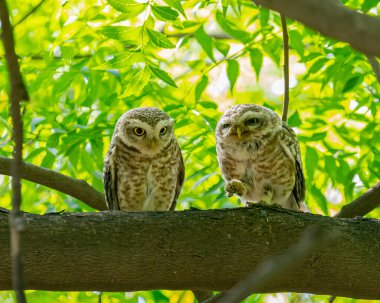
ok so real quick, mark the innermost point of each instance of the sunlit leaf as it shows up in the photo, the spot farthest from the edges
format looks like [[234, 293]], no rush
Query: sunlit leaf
[[232, 72], [164, 76], [128, 7], [164, 12], [159, 39]]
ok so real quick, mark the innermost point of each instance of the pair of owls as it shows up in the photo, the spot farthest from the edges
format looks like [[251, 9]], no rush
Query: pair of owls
[[258, 155]]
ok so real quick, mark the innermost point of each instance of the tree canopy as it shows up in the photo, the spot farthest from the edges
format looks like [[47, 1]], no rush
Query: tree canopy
[[85, 63]]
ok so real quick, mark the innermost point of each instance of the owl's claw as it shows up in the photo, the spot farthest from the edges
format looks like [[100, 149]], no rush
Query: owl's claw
[[235, 187]]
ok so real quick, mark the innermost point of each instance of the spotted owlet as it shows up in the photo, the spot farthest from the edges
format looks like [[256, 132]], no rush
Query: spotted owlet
[[143, 169], [259, 157]]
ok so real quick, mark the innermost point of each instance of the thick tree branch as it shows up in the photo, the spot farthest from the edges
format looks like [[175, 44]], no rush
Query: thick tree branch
[[332, 19], [310, 241], [117, 251], [78, 189]]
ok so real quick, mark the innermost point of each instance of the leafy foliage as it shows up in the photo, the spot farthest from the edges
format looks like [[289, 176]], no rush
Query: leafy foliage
[[87, 62]]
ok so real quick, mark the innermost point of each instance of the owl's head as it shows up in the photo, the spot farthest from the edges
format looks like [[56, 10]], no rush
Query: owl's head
[[147, 129], [247, 123]]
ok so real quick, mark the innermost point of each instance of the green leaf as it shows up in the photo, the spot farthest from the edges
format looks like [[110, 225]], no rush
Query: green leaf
[[159, 39], [232, 72], [164, 12], [123, 60], [232, 29], [296, 42], [320, 198], [208, 104], [294, 119], [201, 86], [121, 33], [164, 76], [137, 83], [256, 60], [205, 41], [368, 4], [128, 7], [352, 82], [223, 47], [177, 5]]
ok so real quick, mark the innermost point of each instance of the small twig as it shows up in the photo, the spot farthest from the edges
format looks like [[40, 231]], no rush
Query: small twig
[[375, 66], [78, 189], [313, 238], [286, 68], [28, 14], [362, 205], [18, 93]]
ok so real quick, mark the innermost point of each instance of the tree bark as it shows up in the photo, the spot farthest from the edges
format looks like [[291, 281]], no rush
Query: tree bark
[[332, 19], [205, 250]]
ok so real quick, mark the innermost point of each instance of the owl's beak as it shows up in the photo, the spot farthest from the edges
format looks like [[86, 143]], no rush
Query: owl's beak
[[152, 143], [238, 131]]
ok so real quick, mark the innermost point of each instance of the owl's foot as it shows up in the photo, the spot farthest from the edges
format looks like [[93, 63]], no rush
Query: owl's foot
[[235, 187]]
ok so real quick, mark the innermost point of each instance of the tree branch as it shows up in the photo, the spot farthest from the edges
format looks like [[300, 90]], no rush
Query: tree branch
[[286, 68], [313, 239], [332, 19], [78, 189], [362, 205], [114, 251], [29, 13], [375, 66], [18, 93]]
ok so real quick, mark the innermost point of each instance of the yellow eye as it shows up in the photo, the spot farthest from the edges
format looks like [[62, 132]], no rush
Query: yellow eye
[[138, 131], [163, 130]]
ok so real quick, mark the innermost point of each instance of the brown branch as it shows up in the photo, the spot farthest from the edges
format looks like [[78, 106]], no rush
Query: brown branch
[[359, 207], [286, 68], [362, 205], [18, 93], [332, 19], [29, 13], [375, 66], [114, 251], [314, 238], [75, 188]]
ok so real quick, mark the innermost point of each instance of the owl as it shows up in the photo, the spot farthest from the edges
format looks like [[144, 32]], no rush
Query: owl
[[143, 169], [259, 157]]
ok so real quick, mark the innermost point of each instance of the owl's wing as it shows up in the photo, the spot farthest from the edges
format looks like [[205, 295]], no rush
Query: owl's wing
[[180, 178], [110, 182], [291, 147]]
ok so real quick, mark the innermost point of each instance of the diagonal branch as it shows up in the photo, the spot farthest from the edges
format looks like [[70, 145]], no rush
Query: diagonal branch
[[375, 66], [314, 238], [362, 205], [332, 19], [78, 189], [29, 13]]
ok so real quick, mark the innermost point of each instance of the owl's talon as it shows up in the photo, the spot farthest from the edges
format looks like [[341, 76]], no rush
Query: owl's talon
[[235, 187]]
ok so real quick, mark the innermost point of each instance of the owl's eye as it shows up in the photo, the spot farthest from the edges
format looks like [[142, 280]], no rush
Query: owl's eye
[[163, 130], [252, 121], [226, 125], [138, 131]]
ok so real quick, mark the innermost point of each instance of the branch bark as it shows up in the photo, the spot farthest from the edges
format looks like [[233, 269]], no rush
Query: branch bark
[[117, 251], [362, 205], [18, 93], [78, 189], [332, 19]]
